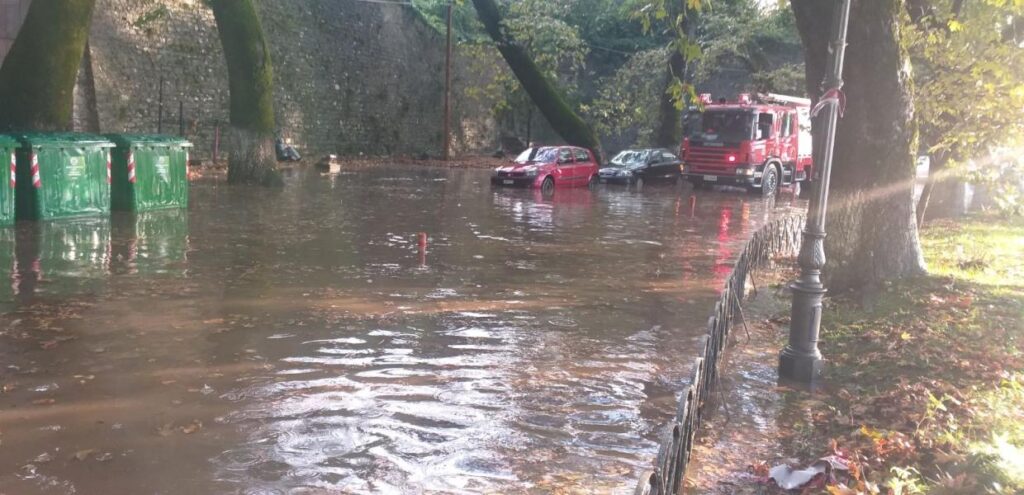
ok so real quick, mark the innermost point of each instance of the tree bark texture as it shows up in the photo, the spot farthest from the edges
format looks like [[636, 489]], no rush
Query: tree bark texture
[[545, 95], [37, 80], [872, 229], [250, 143]]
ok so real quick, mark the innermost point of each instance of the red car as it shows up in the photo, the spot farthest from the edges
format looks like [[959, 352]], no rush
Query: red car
[[548, 167]]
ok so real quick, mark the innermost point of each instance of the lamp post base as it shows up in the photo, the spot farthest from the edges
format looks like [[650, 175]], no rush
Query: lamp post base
[[800, 368]]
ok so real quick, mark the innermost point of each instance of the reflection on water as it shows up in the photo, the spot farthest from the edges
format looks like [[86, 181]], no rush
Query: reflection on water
[[154, 242], [306, 341]]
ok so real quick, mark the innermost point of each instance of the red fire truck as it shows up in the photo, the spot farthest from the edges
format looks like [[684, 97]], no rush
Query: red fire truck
[[757, 143]]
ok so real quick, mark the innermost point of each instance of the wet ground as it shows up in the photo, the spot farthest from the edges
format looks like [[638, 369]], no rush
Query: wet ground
[[300, 341], [751, 419]]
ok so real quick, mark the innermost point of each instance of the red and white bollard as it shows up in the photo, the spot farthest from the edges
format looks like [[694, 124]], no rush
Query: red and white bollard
[[14, 169], [422, 248], [37, 181], [131, 167]]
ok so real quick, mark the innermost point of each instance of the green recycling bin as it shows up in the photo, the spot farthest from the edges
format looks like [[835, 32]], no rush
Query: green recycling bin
[[62, 175], [7, 146], [150, 172]]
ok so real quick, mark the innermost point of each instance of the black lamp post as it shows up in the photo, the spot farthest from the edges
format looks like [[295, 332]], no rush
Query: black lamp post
[[801, 360]]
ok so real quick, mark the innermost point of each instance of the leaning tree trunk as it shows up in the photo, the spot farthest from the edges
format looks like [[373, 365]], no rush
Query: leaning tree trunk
[[871, 223], [943, 194], [37, 80], [542, 91], [250, 79], [669, 132], [936, 173]]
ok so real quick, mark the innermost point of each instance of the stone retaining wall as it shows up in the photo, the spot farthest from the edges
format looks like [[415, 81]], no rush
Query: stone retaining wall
[[350, 77]]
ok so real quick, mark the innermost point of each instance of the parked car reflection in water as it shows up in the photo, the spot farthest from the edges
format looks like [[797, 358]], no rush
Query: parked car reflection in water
[[639, 166]]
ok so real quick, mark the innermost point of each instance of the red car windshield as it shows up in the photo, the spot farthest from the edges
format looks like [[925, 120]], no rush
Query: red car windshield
[[534, 155]]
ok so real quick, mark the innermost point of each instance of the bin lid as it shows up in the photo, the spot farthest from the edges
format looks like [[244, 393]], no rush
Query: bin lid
[[8, 141], [129, 140], [62, 140]]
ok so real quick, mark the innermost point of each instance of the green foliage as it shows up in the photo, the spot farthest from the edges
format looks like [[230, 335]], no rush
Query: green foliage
[[554, 44], [541, 28], [465, 26], [1003, 181], [151, 16], [603, 54], [969, 78], [738, 31], [674, 18], [724, 32], [628, 98], [787, 79], [542, 89]]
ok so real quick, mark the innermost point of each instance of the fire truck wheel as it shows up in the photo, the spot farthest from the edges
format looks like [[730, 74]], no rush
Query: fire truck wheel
[[770, 181]]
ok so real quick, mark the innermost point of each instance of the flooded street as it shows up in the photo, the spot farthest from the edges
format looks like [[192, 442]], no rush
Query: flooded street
[[299, 341]]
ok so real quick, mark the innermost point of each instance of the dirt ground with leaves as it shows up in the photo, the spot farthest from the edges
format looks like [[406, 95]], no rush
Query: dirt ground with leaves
[[924, 384]]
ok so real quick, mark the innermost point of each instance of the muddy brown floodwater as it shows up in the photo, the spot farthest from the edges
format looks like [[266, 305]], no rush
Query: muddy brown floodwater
[[297, 342]]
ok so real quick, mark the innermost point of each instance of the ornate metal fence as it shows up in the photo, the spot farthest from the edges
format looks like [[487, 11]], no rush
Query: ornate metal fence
[[778, 238]]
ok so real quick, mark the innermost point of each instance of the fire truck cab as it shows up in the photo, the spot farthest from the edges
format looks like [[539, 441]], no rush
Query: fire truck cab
[[757, 144]]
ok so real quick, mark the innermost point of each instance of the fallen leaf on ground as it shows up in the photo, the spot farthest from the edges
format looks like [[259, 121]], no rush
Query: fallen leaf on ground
[[84, 454], [192, 427], [165, 430]]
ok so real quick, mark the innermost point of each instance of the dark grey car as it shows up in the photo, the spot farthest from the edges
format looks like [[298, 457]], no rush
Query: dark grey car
[[640, 166]]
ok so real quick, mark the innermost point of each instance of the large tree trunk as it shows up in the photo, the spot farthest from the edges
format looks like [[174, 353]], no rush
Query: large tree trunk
[[250, 79], [37, 80], [669, 132], [872, 227], [573, 129]]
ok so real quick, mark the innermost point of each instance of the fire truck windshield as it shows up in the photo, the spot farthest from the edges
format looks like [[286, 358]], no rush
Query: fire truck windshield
[[720, 125]]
